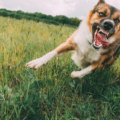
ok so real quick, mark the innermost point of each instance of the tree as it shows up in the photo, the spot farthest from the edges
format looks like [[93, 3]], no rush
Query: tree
[[57, 20], [17, 16], [5, 14], [62, 19]]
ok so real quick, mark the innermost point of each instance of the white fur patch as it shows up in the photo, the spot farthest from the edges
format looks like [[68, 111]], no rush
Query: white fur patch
[[85, 53], [80, 74], [42, 61], [111, 40]]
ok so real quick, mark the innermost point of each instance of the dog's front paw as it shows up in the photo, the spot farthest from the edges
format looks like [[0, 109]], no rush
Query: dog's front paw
[[73, 75], [35, 64], [77, 74]]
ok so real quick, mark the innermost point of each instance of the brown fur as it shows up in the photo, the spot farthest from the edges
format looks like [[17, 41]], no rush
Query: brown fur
[[105, 8], [101, 1], [112, 50], [110, 56], [112, 53], [67, 46], [116, 15]]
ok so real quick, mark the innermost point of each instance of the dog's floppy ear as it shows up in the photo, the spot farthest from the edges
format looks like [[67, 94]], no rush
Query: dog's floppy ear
[[101, 1]]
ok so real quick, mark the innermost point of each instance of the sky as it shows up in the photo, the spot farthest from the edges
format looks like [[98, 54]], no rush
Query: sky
[[69, 8]]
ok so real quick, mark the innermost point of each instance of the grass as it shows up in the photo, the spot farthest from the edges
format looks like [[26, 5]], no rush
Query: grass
[[50, 93]]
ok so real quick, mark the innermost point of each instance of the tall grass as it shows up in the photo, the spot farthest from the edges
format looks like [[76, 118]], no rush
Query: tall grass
[[50, 93]]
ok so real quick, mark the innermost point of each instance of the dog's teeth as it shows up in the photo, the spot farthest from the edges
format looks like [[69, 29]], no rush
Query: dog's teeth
[[96, 32], [100, 45], [100, 30], [107, 34]]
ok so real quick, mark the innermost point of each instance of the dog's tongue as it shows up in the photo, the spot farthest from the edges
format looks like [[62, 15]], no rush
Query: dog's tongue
[[102, 38]]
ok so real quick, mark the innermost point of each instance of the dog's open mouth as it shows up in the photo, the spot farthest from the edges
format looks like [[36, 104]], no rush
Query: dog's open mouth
[[100, 37]]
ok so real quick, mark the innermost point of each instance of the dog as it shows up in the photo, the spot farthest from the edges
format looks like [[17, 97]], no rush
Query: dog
[[96, 42]]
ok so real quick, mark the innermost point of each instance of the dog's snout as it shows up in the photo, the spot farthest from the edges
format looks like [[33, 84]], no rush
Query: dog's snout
[[108, 25]]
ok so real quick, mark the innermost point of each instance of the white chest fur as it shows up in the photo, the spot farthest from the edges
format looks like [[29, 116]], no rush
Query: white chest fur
[[85, 53]]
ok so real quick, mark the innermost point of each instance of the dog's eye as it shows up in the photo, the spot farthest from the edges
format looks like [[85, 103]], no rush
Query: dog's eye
[[117, 20], [101, 14]]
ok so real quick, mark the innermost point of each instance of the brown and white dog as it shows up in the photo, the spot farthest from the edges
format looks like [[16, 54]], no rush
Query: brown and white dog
[[96, 43]]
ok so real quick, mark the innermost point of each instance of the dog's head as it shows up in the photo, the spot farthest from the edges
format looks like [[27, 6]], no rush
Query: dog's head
[[104, 22]]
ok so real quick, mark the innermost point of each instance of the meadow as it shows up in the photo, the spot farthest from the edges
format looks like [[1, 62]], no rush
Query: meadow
[[49, 93]]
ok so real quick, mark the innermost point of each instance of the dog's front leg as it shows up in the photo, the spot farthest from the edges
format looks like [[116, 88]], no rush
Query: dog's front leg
[[87, 70], [35, 64], [65, 47], [80, 74]]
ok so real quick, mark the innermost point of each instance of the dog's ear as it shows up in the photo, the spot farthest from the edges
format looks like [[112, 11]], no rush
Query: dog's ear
[[101, 1]]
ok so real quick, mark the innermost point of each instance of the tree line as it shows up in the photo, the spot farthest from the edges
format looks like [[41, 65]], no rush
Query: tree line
[[39, 17]]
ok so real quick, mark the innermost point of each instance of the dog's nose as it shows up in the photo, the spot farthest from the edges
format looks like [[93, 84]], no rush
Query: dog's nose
[[108, 25]]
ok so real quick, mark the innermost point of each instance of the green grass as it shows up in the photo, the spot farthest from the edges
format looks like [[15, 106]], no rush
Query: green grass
[[49, 93]]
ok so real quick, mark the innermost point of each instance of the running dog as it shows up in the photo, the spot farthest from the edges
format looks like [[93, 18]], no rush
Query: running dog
[[96, 42]]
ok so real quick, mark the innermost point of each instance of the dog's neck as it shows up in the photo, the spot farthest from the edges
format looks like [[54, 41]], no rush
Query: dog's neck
[[84, 36], [84, 30], [83, 40]]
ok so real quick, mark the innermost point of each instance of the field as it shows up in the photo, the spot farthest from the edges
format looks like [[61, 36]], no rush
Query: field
[[49, 93]]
